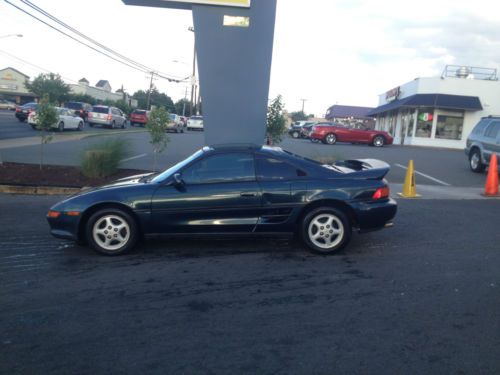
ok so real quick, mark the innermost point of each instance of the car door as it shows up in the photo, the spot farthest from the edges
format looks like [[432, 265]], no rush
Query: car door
[[283, 188], [359, 134], [68, 119], [218, 194]]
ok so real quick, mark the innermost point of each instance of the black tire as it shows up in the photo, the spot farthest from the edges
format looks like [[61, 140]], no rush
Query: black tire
[[339, 223], [113, 125], [330, 139], [124, 124], [91, 125], [314, 140], [60, 127], [295, 134], [98, 218], [33, 126], [378, 141], [80, 126], [476, 162]]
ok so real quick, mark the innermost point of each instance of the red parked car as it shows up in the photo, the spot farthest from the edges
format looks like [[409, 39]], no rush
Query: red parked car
[[139, 117], [330, 133]]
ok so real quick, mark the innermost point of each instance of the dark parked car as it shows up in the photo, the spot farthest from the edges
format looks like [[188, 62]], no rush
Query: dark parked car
[[236, 190], [24, 111], [80, 108], [333, 133], [300, 129], [483, 141]]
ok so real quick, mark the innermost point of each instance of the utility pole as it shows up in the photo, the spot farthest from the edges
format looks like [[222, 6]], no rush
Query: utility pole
[[184, 103], [150, 89], [303, 103]]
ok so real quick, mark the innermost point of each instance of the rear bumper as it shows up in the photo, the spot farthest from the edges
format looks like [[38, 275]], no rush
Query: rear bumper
[[375, 215], [99, 121]]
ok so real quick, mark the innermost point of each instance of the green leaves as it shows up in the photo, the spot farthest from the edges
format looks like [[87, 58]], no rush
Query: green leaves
[[276, 123], [46, 117], [157, 128], [49, 84]]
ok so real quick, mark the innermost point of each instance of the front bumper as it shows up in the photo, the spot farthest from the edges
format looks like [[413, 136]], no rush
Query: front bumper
[[374, 215], [65, 227]]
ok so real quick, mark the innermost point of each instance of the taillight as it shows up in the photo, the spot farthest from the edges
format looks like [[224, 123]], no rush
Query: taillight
[[89, 114], [381, 193], [109, 118]]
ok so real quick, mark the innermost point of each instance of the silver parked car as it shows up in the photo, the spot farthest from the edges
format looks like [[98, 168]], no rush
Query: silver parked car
[[110, 117], [483, 141]]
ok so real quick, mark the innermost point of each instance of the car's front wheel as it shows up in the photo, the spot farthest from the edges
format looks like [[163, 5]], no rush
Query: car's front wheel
[[111, 231], [331, 139], [476, 162], [378, 141], [326, 230], [295, 135], [61, 126]]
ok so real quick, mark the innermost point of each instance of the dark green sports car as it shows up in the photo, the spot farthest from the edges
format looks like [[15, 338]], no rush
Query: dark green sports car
[[233, 189]]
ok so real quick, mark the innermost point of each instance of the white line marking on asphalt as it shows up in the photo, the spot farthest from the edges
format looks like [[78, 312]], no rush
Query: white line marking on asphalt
[[133, 157], [425, 175]]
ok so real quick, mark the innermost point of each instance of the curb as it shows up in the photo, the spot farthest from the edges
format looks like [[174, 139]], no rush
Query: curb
[[38, 190]]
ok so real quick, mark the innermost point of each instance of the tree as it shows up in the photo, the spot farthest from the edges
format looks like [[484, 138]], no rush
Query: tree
[[182, 107], [49, 84], [276, 123], [157, 99], [157, 128], [299, 116], [46, 116]]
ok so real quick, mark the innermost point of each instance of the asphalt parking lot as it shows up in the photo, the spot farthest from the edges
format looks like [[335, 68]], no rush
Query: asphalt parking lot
[[422, 297]]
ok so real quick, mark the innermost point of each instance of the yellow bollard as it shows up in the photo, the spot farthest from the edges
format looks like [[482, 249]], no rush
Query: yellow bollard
[[409, 187]]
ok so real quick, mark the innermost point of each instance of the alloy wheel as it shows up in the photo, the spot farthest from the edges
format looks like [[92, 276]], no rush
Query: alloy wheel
[[326, 231], [331, 139], [111, 232]]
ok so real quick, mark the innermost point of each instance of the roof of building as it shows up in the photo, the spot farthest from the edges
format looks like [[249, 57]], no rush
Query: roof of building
[[84, 80], [468, 103], [344, 111], [102, 83], [17, 71]]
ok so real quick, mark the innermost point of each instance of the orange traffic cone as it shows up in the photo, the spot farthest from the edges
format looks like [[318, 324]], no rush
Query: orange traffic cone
[[409, 186], [491, 187]]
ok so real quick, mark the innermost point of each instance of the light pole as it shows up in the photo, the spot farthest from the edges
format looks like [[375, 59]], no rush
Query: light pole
[[193, 80], [303, 103], [8, 35]]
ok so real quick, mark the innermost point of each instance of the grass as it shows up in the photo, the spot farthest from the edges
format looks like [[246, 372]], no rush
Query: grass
[[102, 159]]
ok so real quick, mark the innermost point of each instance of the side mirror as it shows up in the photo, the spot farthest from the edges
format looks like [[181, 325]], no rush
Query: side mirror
[[178, 181]]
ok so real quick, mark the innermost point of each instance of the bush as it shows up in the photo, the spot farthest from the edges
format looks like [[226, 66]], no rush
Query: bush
[[104, 158]]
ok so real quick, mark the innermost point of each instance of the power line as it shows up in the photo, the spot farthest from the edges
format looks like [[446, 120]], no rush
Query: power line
[[128, 62]]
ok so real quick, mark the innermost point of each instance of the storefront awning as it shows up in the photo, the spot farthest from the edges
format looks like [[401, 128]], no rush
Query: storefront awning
[[460, 102]]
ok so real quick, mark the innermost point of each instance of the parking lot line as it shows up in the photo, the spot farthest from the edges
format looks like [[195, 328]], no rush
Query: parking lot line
[[133, 158], [425, 175]]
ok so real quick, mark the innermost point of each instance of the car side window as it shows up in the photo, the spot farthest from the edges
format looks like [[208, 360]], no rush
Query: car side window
[[492, 130], [269, 168], [231, 167]]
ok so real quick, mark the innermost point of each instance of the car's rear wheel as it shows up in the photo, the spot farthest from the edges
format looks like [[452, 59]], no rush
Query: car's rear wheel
[[314, 140], [326, 230], [476, 162], [80, 126], [61, 126], [113, 125], [331, 139], [295, 135], [111, 231], [378, 141], [91, 124]]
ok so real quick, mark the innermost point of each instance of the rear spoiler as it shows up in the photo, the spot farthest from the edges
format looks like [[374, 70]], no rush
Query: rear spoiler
[[371, 169]]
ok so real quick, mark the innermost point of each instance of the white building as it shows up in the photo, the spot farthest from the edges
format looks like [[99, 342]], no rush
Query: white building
[[439, 111], [102, 92], [12, 86]]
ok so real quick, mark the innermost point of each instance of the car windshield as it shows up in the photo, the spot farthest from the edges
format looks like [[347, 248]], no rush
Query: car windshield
[[172, 116], [162, 176], [139, 112], [73, 105], [61, 111], [100, 109]]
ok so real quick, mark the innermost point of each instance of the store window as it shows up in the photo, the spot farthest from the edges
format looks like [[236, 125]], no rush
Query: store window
[[424, 123], [449, 127]]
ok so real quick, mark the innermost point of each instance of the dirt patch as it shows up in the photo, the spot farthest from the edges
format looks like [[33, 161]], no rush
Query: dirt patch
[[55, 175]]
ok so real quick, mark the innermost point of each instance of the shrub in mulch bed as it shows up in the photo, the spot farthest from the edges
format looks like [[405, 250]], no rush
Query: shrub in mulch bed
[[55, 175]]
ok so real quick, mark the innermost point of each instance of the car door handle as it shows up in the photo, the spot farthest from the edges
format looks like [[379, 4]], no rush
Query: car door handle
[[248, 194]]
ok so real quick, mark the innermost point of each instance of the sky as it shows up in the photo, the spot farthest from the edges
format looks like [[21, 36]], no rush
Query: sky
[[326, 51]]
